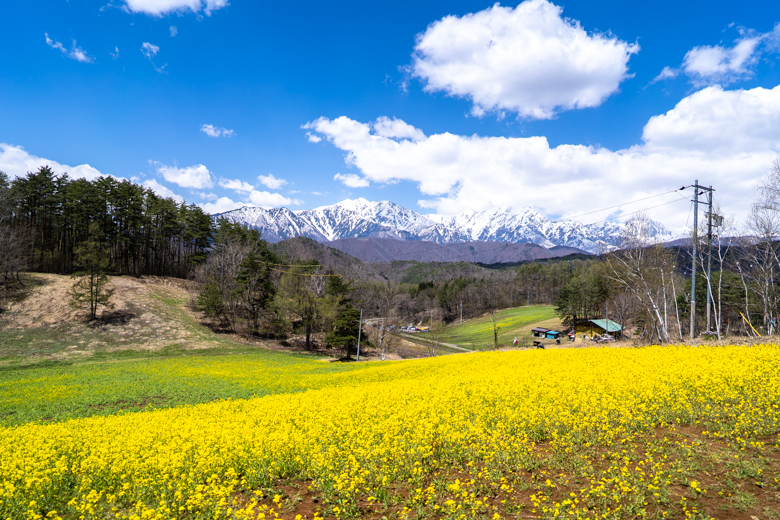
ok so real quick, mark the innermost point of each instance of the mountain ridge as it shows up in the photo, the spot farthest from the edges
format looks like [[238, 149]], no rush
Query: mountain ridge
[[360, 218]]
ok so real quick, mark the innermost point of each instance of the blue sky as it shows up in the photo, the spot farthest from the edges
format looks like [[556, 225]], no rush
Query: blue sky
[[438, 106]]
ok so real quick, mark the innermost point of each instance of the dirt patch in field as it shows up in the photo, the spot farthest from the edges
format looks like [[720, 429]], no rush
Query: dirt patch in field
[[48, 304], [146, 314]]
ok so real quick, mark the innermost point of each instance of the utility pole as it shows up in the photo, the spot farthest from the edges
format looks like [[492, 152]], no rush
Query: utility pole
[[693, 257], [696, 194], [461, 311], [709, 259], [360, 329]]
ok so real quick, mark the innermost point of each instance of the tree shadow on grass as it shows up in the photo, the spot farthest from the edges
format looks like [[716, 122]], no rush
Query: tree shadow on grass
[[119, 317]]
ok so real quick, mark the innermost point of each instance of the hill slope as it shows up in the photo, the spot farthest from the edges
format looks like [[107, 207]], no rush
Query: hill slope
[[374, 249]]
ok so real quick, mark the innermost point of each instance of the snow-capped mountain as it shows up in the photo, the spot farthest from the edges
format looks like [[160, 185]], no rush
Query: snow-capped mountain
[[361, 218]]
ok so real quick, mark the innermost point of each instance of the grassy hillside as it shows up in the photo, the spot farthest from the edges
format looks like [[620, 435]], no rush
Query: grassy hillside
[[477, 334], [150, 317]]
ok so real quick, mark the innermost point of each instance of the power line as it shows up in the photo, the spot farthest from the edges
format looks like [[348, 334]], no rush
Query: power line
[[303, 274], [613, 207], [635, 212]]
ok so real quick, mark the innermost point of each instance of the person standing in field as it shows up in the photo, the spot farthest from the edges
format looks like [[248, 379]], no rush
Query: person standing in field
[[515, 342]]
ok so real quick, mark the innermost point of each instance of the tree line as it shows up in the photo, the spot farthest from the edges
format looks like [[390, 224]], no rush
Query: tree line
[[45, 217]]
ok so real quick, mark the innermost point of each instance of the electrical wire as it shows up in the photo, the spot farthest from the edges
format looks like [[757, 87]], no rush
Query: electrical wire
[[613, 207], [635, 212], [303, 274]]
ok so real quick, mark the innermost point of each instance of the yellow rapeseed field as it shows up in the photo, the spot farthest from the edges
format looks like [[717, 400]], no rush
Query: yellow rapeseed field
[[551, 434]]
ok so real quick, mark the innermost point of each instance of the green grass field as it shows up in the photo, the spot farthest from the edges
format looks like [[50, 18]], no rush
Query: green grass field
[[477, 333]]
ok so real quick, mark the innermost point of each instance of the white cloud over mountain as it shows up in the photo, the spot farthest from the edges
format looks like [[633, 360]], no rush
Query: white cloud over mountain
[[528, 60], [197, 176], [236, 185], [16, 162], [161, 7], [266, 199], [221, 205], [350, 180], [724, 138]]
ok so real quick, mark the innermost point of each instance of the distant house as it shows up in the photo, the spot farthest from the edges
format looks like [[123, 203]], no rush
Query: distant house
[[539, 332], [593, 327], [552, 334]]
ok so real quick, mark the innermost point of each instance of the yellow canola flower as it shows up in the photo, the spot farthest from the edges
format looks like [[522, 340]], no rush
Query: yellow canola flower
[[389, 423]]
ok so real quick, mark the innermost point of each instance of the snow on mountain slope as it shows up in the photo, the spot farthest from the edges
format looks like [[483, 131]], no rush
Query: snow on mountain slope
[[360, 218]]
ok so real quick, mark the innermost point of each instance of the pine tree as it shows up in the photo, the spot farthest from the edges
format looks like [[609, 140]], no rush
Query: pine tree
[[90, 287], [211, 303], [345, 330], [347, 324], [254, 286]]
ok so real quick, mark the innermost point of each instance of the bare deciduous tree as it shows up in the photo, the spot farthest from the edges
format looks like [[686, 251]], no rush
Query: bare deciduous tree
[[645, 270], [435, 339], [494, 323]]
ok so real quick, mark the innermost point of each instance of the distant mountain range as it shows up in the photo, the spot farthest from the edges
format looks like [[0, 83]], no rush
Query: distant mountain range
[[360, 218]]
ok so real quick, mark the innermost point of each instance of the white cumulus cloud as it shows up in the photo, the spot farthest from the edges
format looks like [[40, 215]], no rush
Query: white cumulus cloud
[[197, 176], [529, 60], [221, 205], [161, 7], [725, 138], [351, 180], [213, 131], [75, 52], [161, 190], [266, 199], [714, 63], [16, 162], [271, 182], [721, 64], [236, 185], [395, 128]]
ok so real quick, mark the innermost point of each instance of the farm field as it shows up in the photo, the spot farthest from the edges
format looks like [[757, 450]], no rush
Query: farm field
[[477, 333], [147, 414], [658, 432]]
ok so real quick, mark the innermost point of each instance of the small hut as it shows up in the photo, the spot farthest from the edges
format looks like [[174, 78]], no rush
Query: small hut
[[552, 334], [539, 332], [593, 327]]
